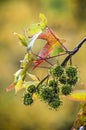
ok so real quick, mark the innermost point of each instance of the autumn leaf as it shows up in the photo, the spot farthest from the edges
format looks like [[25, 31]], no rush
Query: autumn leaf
[[52, 45], [43, 21], [19, 85], [23, 39], [37, 27], [35, 30], [10, 87], [77, 95], [35, 96], [56, 50], [17, 77], [20, 75], [33, 77]]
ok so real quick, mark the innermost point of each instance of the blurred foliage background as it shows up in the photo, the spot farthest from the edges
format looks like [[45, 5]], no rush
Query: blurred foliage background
[[68, 19]]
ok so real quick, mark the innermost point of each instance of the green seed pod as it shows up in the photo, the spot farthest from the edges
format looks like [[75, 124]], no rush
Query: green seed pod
[[71, 71], [31, 89], [27, 99], [62, 79], [57, 71], [66, 89], [27, 95], [72, 81], [47, 93], [54, 85], [55, 103]]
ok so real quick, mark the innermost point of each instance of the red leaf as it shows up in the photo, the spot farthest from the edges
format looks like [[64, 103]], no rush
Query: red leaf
[[47, 35], [43, 53], [48, 47], [10, 87]]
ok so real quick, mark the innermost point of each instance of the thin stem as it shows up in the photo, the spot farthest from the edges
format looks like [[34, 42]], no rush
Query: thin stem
[[47, 76], [56, 55], [43, 59], [48, 62], [45, 67], [66, 59], [70, 61], [58, 39]]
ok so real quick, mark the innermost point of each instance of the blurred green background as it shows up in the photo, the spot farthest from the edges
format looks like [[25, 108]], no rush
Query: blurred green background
[[68, 19]]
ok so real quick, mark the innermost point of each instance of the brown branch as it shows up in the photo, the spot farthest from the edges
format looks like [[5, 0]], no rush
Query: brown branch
[[71, 53], [74, 51]]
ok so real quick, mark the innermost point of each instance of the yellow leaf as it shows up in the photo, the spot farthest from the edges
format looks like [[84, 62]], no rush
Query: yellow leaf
[[22, 39], [35, 96], [37, 27], [77, 95], [43, 21], [19, 85], [34, 77]]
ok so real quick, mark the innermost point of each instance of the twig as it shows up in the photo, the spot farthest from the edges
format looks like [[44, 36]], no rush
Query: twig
[[45, 67], [56, 55], [58, 39], [66, 59], [45, 59], [47, 76], [73, 52]]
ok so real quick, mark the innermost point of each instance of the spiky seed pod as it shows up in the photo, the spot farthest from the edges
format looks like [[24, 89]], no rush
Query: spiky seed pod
[[72, 81], [55, 103], [27, 99], [57, 71], [47, 93], [31, 88], [71, 71], [27, 95], [66, 89], [63, 79], [54, 85]]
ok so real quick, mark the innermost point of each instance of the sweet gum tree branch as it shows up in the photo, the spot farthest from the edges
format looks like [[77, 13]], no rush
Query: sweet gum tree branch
[[68, 57]]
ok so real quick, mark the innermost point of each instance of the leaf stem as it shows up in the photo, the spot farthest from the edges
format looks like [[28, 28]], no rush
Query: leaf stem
[[42, 58], [71, 53], [47, 76], [57, 39], [56, 55]]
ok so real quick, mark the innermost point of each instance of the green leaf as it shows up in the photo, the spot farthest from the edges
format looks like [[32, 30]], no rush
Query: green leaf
[[22, 39], [43, 22], [56, 50], [33, 29], [24, 61], [37, 27], [19, 85]]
